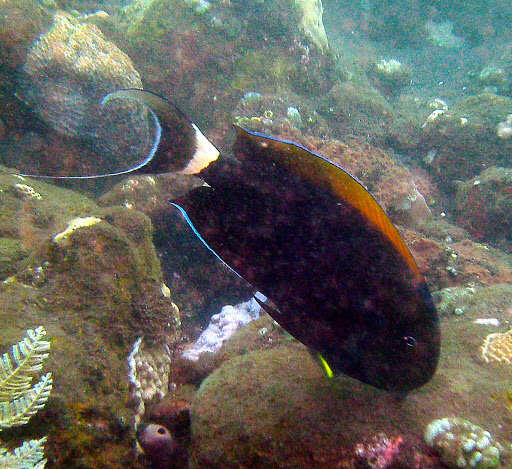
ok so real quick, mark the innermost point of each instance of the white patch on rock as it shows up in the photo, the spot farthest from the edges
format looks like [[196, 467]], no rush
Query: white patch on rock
[[222, 326], [74, 225]]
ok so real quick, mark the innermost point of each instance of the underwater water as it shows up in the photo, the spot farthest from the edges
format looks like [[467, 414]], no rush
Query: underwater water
[[298, 253]]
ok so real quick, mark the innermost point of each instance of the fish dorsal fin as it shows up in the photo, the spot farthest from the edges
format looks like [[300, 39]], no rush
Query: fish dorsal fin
[[321, 172]]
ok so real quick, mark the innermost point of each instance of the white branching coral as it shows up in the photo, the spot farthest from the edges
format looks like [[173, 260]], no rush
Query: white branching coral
[[20, 400]]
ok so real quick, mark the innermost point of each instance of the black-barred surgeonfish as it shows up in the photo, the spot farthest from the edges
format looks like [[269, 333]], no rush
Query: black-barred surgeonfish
[[312, 239]]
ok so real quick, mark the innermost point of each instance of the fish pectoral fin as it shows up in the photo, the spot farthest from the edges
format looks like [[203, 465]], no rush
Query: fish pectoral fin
[[317, 356]]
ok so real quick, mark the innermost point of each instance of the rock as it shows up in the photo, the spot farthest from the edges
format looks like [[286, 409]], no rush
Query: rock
[[311, 22], [390, 76], [356, 108], [92, 277], [66, 74], [464, 138], [275, 408], [238, 45], [484, 204], [20, 23], [191, 271]]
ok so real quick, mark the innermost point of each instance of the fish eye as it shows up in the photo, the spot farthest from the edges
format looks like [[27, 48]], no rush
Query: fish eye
[[409, 341]]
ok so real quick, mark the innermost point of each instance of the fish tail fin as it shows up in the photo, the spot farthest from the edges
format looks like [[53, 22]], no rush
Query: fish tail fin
[[178, 144]]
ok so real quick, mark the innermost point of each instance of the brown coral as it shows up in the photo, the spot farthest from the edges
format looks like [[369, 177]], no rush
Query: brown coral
[[66, 74], [64, 63], [498, 347]]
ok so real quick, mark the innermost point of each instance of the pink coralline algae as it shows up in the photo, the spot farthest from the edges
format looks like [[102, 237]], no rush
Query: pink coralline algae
[[397, 452], [380, 452]]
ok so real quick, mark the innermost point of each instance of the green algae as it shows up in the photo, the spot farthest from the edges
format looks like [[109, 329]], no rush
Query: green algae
[[96, 289], [11, 252]]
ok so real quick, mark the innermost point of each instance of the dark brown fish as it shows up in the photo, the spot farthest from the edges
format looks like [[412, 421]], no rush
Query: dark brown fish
[[313, 240]]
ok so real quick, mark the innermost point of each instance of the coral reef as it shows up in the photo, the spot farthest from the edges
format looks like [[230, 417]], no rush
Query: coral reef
[[463, 444], [243, 415], [230, 428], [277, 115], [97, 288], [191, 272], [497, 347], [149, 375], [229, 46], [91, 272]]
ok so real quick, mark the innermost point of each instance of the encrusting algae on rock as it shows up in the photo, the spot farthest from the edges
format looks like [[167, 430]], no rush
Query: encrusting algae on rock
[[74, 225]]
